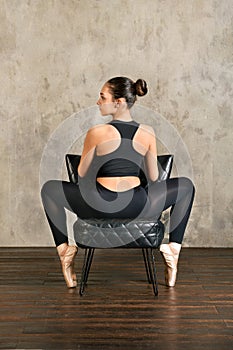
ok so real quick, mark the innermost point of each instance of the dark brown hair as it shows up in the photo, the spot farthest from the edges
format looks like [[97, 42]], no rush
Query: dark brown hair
[[127, 88]]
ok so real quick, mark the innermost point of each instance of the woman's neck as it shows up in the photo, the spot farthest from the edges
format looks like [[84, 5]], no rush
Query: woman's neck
[[125, 116]]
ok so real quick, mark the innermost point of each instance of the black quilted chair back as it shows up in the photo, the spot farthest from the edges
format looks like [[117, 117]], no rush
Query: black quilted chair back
[[165, 163]]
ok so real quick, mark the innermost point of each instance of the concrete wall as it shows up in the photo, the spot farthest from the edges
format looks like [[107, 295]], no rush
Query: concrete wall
[[55, 56]]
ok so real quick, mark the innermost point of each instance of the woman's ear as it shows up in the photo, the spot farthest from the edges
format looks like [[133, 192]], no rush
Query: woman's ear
[[120, 100]]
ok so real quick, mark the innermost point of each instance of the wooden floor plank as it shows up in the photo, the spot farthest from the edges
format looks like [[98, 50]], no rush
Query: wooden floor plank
[[118, 310]]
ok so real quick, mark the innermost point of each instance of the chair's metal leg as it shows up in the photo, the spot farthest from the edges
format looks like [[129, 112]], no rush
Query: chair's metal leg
[[146, 264], [88, 256], [148, 258], [149, 261], [82, 284], [152, 270], [89, 262]]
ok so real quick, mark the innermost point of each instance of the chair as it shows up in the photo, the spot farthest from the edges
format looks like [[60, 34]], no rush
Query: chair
[[94, 233]]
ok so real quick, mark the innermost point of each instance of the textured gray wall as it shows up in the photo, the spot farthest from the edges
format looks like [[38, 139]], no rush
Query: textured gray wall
[[55, 56]]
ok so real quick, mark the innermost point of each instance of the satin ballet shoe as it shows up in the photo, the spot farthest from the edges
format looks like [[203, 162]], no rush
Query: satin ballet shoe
[[170, 257], [72, 269], [74, 277], [67, 255]]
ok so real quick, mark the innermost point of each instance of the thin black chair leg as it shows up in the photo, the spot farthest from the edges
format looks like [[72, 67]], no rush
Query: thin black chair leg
[[146, 264], [148, 259], [152, 270], [91, 254], [82, 284], [88, 256]]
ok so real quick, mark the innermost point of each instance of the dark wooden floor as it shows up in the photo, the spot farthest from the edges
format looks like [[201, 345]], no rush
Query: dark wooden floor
[[118, 310]]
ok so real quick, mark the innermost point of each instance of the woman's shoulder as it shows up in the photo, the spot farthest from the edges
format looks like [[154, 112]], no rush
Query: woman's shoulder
[[147, 129], [99, 128], [100, 131]]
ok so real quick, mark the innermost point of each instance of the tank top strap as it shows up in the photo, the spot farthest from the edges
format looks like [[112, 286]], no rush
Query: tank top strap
[[127, 130]]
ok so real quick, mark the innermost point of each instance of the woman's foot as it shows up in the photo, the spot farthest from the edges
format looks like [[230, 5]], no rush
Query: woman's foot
[[170, 253], [67, 255]]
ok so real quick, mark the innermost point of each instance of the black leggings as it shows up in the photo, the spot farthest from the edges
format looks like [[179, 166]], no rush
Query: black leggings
[[177, 193]]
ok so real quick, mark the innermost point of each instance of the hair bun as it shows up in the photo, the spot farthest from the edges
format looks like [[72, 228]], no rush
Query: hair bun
[[141, 87]]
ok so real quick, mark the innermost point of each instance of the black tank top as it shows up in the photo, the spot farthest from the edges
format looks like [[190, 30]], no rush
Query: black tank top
[[125, 160]]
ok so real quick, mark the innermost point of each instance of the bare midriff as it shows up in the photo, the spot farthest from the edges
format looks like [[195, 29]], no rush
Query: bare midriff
[[119, 184]]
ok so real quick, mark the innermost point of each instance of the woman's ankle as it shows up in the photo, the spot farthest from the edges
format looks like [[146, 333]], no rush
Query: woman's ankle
[[175, 247], [61, 249]]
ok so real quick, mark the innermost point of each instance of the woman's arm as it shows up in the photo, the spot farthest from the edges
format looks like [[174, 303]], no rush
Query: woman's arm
[[87, 153], [145, 143], [151, 155], [93, 137]]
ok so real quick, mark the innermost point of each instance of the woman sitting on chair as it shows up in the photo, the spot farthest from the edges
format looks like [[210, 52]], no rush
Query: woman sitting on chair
[[109, 183]]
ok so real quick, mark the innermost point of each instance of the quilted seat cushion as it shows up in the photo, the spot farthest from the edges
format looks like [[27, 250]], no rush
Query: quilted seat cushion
[[102, 233]]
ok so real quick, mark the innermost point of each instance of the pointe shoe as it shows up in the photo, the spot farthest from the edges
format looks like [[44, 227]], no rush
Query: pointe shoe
[[74, 277], [67, 254], [170, 256], [72, 267]]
